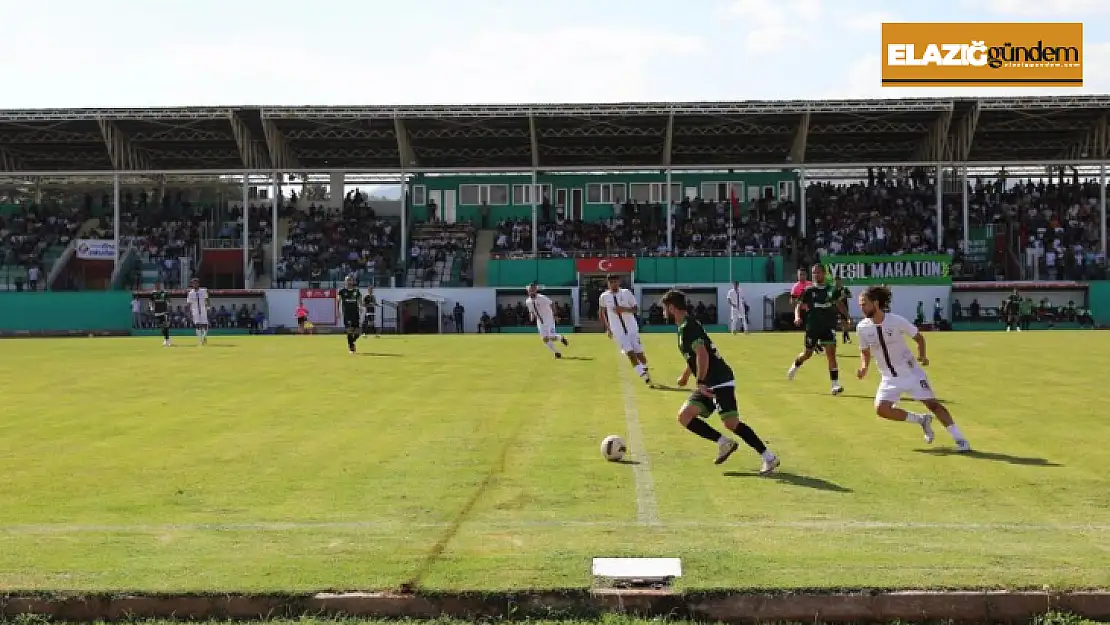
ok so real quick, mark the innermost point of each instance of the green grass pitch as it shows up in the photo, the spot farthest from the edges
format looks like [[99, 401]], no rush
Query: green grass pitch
[[472, 462]]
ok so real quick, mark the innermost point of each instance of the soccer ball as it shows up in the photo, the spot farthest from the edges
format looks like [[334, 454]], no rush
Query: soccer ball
[[613, 448]]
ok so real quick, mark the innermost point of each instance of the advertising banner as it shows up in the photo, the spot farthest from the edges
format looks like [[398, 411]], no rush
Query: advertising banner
[[96, 249], [890, 270]]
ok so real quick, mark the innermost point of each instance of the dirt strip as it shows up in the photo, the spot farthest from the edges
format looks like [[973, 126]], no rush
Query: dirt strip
[[724, 606]]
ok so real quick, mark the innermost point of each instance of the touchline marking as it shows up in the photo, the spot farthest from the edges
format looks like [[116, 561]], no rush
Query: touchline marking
[[394, 526], [647, 510]]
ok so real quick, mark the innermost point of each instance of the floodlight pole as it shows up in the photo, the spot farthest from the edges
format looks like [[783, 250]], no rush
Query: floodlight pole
[[669, 212], [802, 201], [275, 252], [115, 223], [535, 216], [940, 201], [246, 232], [1102, 203], [966, 201], [404, 259]]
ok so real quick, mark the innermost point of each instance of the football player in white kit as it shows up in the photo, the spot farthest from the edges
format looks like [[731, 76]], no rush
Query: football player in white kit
[[542, 312], [886, 333], [618, 312], [737, 309], [197, 302]]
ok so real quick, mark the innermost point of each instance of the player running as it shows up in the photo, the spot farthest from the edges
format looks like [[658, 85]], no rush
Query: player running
[[160, 307], [370, 306], [618, 313], [844, 295], [716, 387], [542, 313], [886, 332], [350, 304], [737, 307], [197, 300], [820, 323]]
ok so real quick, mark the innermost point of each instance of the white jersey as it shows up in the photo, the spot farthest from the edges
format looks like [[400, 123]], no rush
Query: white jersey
[[197, 300], [541, 308], [624, 323], [736, 301], [887, 342]]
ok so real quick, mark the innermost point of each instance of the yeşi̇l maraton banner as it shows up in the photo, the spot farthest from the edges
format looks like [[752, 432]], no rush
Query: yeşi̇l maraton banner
[[905, 269]]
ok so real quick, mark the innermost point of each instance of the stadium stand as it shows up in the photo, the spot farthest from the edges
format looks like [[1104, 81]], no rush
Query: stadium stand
[[441, 255], [32, 237], [325, 245], [847, 208]]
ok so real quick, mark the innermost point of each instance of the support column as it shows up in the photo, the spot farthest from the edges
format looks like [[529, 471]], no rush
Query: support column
[[404, 260], [669, 212], [802, 197], [966, 200], [940, 200], [1102, 203], [275, 250], [246, 231], [115, 221], [535, 215]]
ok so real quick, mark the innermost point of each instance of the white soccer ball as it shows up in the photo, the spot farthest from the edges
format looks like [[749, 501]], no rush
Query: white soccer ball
[[613, 448]]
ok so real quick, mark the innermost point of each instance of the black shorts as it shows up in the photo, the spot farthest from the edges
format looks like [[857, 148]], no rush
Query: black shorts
[[162, 320], [723, 402], [351, 322], [817, 338], [301, 320]]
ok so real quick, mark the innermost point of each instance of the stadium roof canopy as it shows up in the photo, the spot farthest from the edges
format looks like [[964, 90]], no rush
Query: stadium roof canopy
[[552, 137]]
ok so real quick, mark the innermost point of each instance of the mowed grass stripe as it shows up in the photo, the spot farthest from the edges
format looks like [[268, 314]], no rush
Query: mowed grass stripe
[[283, 463]]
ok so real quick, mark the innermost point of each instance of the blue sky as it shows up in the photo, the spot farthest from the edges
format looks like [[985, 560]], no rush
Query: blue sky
[[74, 53]]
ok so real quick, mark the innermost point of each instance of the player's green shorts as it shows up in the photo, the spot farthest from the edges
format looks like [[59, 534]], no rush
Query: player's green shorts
[[723, 402], [816, 337]]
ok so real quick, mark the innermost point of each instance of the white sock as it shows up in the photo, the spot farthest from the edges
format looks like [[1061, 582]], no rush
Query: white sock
[[551, 346], [913, 417], [640, 369], [558, 337], [954, 430], [768, 455]]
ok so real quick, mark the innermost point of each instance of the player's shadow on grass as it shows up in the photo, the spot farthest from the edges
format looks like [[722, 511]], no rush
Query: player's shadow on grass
[[672, 389], [576, 358], [1028, 461], [379, 355], [794, 479], [626, 461], [943, 402]]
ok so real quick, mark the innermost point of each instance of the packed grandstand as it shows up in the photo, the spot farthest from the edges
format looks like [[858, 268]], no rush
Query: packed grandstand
[[1019, 196]]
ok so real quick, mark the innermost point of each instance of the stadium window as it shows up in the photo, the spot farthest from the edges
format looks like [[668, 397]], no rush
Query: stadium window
[[593, 193], [522, 193], [640, 192], [709, 191], [786, 190], [620, 193], [736, 189], [498, 194], [469, 195], [419, 195]]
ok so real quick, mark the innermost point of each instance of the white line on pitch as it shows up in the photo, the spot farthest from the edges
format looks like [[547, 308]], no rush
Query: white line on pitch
[[647, 510], [292, 526]]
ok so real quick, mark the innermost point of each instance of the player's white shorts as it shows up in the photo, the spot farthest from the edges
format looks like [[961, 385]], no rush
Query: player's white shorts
[[737, 314], [547, 330], [915, 384], [200, 319], [628, 342]]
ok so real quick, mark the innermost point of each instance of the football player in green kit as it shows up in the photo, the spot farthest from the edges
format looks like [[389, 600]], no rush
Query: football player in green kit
[[824, 311]]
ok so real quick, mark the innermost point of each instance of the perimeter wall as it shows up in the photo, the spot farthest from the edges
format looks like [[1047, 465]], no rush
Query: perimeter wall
[[110, 311]]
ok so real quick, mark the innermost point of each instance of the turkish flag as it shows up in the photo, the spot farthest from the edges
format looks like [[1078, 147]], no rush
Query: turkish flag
[[605, 265]]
